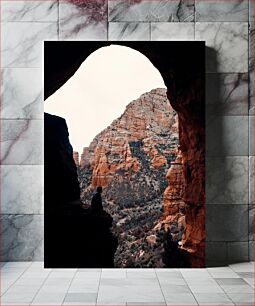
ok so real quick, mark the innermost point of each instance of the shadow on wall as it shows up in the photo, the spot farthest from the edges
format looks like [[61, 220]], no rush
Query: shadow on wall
[[224, 222]]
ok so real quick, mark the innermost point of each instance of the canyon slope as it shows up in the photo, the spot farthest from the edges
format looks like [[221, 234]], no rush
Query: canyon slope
[[137, 162]]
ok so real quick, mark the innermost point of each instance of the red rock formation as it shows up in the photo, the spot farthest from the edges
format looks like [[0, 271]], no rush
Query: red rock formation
[[150, 120], [76, 158], [189, 105]]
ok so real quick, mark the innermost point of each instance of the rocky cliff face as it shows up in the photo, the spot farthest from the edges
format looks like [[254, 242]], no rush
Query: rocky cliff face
[[130, 159], [76, 158]]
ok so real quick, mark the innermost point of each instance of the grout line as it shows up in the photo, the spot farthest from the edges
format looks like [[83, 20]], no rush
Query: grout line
[[98, 286], [160, 286], [69, 285]]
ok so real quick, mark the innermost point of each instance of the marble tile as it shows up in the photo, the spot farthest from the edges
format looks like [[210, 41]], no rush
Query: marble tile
[[241, 299], [243, 267], [22, 191], [227, 42], [227, 94], [83, 20], [251, 250], [251, 135], [234, 10], [251, 180], [215, 253], [251, 222], [227, 223], [152, 10], [22, 142], [227, 135], [23, 10], [22, 42], [222, 272], [251, 10], [81, 297], [21, 93], [227, 180], [22, 237], [44, 298], [84, 285], [213, 299], [238, 251], [251, 68], [172, 31], [128, 31], [180, 299], [113, 274]]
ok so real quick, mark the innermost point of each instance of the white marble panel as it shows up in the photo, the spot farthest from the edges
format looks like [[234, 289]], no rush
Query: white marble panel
[[251, 180], [22, 42], [251, 10], [227, 180], [153, 10], [234, 10], [129, 31], [251, 68], [22, 10], [22, 93], [22, 237], [228, 43], [172, 31], [251, 135], [22, 189], [82, 20], [21, 142]]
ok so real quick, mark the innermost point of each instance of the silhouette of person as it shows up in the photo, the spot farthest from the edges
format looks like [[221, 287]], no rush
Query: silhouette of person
[[96, 202]]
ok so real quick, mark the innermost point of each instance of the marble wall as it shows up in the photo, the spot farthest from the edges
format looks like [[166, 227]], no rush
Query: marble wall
[[226, 26]]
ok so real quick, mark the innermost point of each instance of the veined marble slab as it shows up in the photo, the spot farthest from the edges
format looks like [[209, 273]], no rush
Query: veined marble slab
[[172, 31], [22, 189], [214, 10], [152, 10], [227, 180], [129, 31], [21, 142], [227, 94], [228, 43], [22, 42], [83, 20], [21, 93], [22, 237], [22, 10]]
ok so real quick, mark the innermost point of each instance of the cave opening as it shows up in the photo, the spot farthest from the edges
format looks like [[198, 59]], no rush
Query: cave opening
[[149, 236]]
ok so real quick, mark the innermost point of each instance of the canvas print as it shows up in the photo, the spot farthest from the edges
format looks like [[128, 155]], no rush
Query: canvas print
[[124, 141]]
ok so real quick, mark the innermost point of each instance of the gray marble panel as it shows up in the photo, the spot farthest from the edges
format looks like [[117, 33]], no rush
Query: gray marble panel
[[251, 10], [237, 251], [227, 94], [22, 10], [227, 223], [251, 250], [227, 43], [251, 222], [213, 10], [21, 93], [251, 135], [227, 135], [153, 10], [82, 20], [227, 180], [172, 31], [22, 189], [23, 42], [215, 252], [22, 237], [129, 31], [21, 142], [251, 180], [251, 68]]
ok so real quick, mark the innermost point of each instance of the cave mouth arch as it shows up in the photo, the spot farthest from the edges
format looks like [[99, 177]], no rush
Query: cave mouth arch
[[184, 78]]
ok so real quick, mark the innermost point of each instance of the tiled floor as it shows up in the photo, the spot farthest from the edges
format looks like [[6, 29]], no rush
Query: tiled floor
[[28, 283]]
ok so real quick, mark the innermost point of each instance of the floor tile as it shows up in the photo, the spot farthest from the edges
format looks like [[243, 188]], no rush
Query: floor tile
[[213, 299], [180, 299], [242, 299], [81, 298]]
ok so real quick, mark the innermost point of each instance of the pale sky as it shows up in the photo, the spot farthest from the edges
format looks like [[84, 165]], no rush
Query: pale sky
[[107, 81]]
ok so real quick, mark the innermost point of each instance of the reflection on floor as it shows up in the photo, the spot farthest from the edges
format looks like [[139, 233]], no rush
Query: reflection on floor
[[27, 283]]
